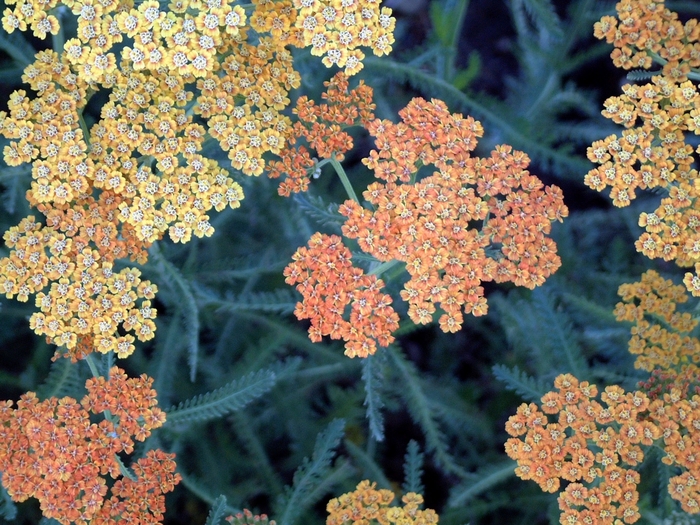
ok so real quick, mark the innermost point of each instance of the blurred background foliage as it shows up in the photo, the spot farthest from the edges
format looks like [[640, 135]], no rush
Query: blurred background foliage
[[284, 424]]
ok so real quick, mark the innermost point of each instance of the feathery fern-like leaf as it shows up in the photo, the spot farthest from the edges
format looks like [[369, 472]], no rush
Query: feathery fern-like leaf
[[413, 469], [310, 473], [561, 338], [544, 16], [237, 268], [637, 75], [480, 481], [229, 398], [217, 511], [324, 214], [199, 488], [281, 300], [419, 407], [187, 303], [64, 379], [368, 467], [373, 378], [519, 382]]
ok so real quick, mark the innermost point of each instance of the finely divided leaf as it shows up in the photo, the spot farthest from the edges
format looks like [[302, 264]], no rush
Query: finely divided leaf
[[316, 208], [413, 469], [480, 481], [520, 383], [281, 301], [374, 378], [544, 15], [64, 379], [229, 398], [419, 407], [310, 475], [217, 512]]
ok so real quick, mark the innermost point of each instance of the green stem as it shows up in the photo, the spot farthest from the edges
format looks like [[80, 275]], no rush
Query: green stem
[[90, 359], [84, 128], [693, 74], [343, 178], [380, 269], [59, 39], [321, 163]]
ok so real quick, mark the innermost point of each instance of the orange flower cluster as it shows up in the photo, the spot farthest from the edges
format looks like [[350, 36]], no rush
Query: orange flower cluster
[[471, 220], [366, 504], [653, 150], [594, 446], [661, 337], [330, 286], [336, 29], [645, 31], [322, 126], [50, 450]]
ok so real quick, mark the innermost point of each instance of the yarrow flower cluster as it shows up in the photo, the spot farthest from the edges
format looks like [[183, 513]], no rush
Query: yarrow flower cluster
[[322, 127], [339, 299], [366, 504], [117, 186], [336, 29], [653, 151], [471, 220], [83, 301], [661, 335], [50, 450], [594, 447]]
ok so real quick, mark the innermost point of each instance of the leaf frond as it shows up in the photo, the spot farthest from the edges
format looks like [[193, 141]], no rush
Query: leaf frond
[[373, 377], [480, 481], [229, 398], [217, 512], [413, 469], [310, 474], [419, 408], [527, 387]]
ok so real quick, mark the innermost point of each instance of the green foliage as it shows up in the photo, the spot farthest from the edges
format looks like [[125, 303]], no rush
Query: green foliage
[[413, 469], [413, 394], [314, 477], [64, 379], [480, 481], [519, 382], [373, 377], [217, 512], [229, 398], [8, 508]]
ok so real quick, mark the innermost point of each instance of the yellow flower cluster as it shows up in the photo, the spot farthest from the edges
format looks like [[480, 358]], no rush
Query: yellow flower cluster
[[653, 152], [661, 337], [366, 504], [595, 446], [84, 303], [110, 190], [335, 29]]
